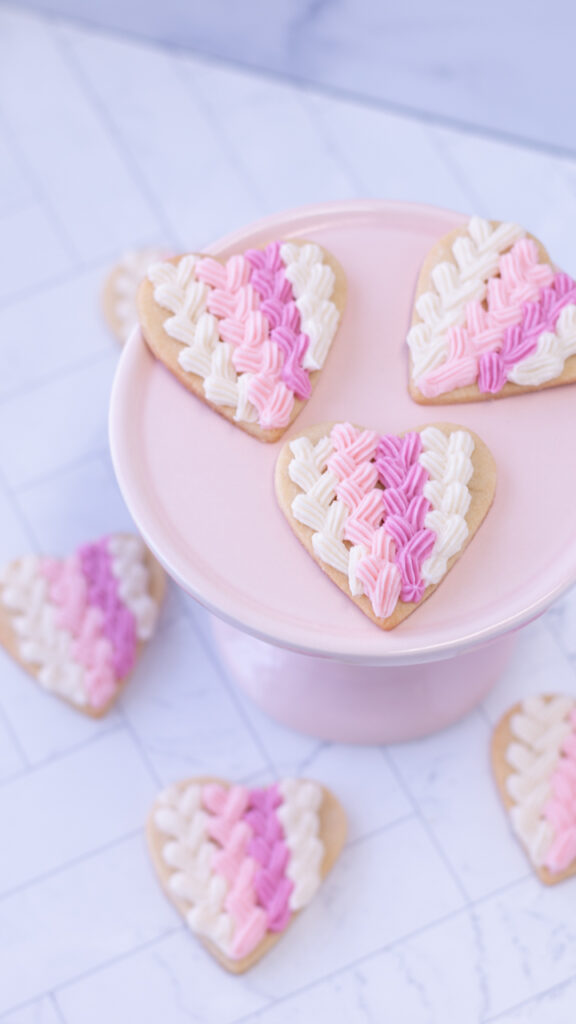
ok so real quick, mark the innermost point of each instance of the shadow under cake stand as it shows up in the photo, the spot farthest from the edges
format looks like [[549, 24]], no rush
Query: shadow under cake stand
[[201, 492]]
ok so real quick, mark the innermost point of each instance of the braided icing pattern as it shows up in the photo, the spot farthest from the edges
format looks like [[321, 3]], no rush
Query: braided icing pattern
[[543, 780], [242, 861], [386, 512], [79, 620], [518, 325], [252, 329]]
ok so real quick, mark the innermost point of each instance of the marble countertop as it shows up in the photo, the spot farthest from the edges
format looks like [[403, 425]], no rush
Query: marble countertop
[[432, 916]]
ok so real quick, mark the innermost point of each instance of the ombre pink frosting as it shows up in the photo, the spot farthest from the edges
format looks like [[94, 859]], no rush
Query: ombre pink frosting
[[382, 482], [560, 810], [84, 591], [254, 301], [523, 302], [252, 856]]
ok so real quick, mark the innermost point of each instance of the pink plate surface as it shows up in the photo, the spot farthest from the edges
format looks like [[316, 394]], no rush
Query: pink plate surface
[[202, 493]]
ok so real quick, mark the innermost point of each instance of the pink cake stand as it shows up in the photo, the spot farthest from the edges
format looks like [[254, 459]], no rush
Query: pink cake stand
[[201, 492]]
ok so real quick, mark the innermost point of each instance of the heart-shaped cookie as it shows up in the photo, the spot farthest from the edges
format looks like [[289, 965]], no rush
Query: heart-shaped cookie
[[239, 863], [121, 286], [492, 317], [534, 762], [77, 624], [248, 336], [385, 516]]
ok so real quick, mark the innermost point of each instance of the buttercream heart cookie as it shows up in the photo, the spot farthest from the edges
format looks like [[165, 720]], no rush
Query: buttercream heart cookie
[[534, 762], [78, 624], [492, 317], [249, 336], [121, 288], [240, 863], [385, 516]]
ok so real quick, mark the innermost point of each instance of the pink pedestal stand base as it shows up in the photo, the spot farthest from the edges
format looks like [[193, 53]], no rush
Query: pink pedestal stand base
[[350, 703]]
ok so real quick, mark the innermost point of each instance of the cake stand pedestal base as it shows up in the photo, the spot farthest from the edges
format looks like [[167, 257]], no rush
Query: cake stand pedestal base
[[351, 703]]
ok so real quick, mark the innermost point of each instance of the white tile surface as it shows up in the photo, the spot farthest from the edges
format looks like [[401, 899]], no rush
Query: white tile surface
[[86, 799], [70, 312], [68, 428], [44, 1011], [172, 981], [33, 251], [430, 917], [78, 919], [449, 777]]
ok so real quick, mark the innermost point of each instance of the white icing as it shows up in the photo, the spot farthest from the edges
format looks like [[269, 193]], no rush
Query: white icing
[[300, 821], [40, 641], [539, 730], [313, 283], [476, 256], [448, 461], [552, 351], [131, 571]]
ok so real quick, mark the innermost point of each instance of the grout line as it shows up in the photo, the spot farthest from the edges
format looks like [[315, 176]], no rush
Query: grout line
[[328, 90], [68, 467], [374, 954], [62, 373], [533, 999], [33, 767], [118, 958], [212, 118], [231, 691], [65, 866], [57, 1008], [17, 744], [426, 826], [74, 65], [148, 764], [39, 191]]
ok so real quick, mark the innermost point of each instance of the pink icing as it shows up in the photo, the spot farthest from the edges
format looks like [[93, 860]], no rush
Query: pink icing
[[560, 810], [84, 591], [388, 521], [252, 856], [521, 339], [269, 850], [526, 299], [253, 299]]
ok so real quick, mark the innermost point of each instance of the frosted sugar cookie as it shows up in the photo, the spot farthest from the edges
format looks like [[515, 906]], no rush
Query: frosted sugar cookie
[[534, 763], [492, 317], [249, 336], [78, 624], [240, 863], [385, 516]]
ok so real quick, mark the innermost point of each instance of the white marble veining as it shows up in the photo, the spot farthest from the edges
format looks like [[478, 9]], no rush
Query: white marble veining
[[432, 915]]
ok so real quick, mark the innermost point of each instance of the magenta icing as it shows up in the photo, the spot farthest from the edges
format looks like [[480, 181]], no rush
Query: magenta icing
[[525, 301], [252, 856], [560, 809], [521, 339], [254, 301], [84, 591], [389, 521]]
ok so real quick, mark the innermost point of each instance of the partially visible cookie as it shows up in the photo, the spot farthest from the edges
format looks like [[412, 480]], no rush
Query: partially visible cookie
[[240, 863], [248, 336], [78, 624], [492, 317], [385, 516], [120, 289], [534, 763]]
